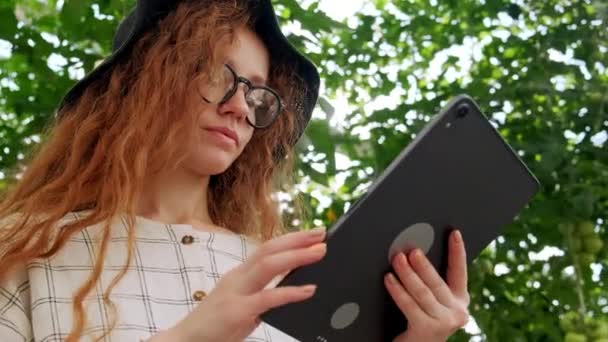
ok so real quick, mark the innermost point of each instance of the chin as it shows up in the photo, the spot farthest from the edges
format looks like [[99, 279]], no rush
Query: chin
[[211, 166], [217, 170]]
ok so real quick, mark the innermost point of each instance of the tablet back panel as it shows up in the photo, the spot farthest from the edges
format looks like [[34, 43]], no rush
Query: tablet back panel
[[458, 172]]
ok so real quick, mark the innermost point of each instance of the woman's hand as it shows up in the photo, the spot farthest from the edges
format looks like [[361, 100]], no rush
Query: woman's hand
[[231, 311], [434, 309]]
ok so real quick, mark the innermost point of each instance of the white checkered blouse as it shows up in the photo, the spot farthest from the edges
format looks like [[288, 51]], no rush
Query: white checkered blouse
[[174, 266]]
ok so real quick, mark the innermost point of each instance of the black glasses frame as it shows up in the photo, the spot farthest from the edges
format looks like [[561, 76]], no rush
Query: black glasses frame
[[250, 87]]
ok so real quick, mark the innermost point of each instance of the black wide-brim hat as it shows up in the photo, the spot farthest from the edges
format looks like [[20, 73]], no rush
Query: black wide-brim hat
[[148, 13]]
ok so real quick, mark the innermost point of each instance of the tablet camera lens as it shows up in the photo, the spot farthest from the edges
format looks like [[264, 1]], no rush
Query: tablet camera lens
[[462, 111]]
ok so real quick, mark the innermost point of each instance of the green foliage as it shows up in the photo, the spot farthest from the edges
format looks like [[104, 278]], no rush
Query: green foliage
[[538, 69]]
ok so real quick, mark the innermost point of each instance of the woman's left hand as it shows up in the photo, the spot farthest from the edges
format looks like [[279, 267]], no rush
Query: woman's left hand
[[434, 309]]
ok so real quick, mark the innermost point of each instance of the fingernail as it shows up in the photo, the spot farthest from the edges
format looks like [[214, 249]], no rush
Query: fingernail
[[457, 236], [308, 289], [416, 253], [319, 248], [317, 231], [402, 259], [391, 279]]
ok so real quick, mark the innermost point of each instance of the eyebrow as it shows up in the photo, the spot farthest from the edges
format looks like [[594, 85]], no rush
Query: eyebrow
[[255, 79]]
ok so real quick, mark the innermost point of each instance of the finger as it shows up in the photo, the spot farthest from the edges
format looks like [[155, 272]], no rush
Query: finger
[[267, 299], [416, 288], [403, 300], [288, 241], [429, 276], [276, 280], [457, 265], [262, 272]]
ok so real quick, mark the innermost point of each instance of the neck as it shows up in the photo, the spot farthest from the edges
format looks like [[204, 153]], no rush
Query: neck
[[179, 197]]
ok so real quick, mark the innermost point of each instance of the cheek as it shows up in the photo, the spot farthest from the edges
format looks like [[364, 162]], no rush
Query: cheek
[[247, 135], [203, 112]]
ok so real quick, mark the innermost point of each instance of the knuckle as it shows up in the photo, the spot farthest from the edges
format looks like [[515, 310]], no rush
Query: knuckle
[[264, 264], [263, 298], [467, 299], [405, 300], [269, 298], [462, 318], [456, 321], [259, 303], [448, 326], [262, 249], [422, 293], [437, 288]]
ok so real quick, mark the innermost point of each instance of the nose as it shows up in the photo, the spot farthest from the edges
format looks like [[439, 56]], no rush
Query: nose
[[236, 105]]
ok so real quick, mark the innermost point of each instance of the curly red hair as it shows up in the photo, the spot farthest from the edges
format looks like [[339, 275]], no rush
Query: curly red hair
[[99, 153]]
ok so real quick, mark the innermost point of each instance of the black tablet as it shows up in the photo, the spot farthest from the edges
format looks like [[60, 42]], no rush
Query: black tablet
[[458, 172]]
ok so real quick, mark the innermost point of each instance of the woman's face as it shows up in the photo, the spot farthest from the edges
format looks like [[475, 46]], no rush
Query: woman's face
[[224, 131]]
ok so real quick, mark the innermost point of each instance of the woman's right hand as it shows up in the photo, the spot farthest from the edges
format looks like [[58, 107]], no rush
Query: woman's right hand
[[230, 312]]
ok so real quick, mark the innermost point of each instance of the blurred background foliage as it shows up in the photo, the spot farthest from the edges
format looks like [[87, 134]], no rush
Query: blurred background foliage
[[538, 69]]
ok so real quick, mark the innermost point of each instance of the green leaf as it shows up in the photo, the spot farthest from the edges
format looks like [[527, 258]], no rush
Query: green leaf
[[327, 107], [8, 24], [391, 49], [73, 12]]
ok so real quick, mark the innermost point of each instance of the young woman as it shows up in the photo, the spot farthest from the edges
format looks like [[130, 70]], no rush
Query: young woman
[[147, 213]]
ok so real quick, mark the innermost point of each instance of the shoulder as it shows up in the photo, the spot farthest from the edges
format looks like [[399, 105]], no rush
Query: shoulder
[[15, 305], [15, 281], [14, 286], [8, 221]]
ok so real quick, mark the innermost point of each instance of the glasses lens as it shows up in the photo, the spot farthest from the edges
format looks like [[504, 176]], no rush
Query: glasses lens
[[216, 88], [264, 106]]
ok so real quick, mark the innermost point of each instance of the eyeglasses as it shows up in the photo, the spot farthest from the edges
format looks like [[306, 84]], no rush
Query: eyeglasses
[[264, 103]]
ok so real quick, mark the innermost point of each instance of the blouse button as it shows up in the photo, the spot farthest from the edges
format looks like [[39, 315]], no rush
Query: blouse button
[[187, 239], [198, 295]]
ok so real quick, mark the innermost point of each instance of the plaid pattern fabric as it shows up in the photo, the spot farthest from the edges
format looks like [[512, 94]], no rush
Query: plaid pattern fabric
[[171, 265]]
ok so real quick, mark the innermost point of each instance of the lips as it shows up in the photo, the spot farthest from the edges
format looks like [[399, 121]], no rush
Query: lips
[[225, 131]]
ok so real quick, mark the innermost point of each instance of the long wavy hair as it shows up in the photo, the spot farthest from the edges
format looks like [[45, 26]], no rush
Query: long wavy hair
[[99, 153]]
